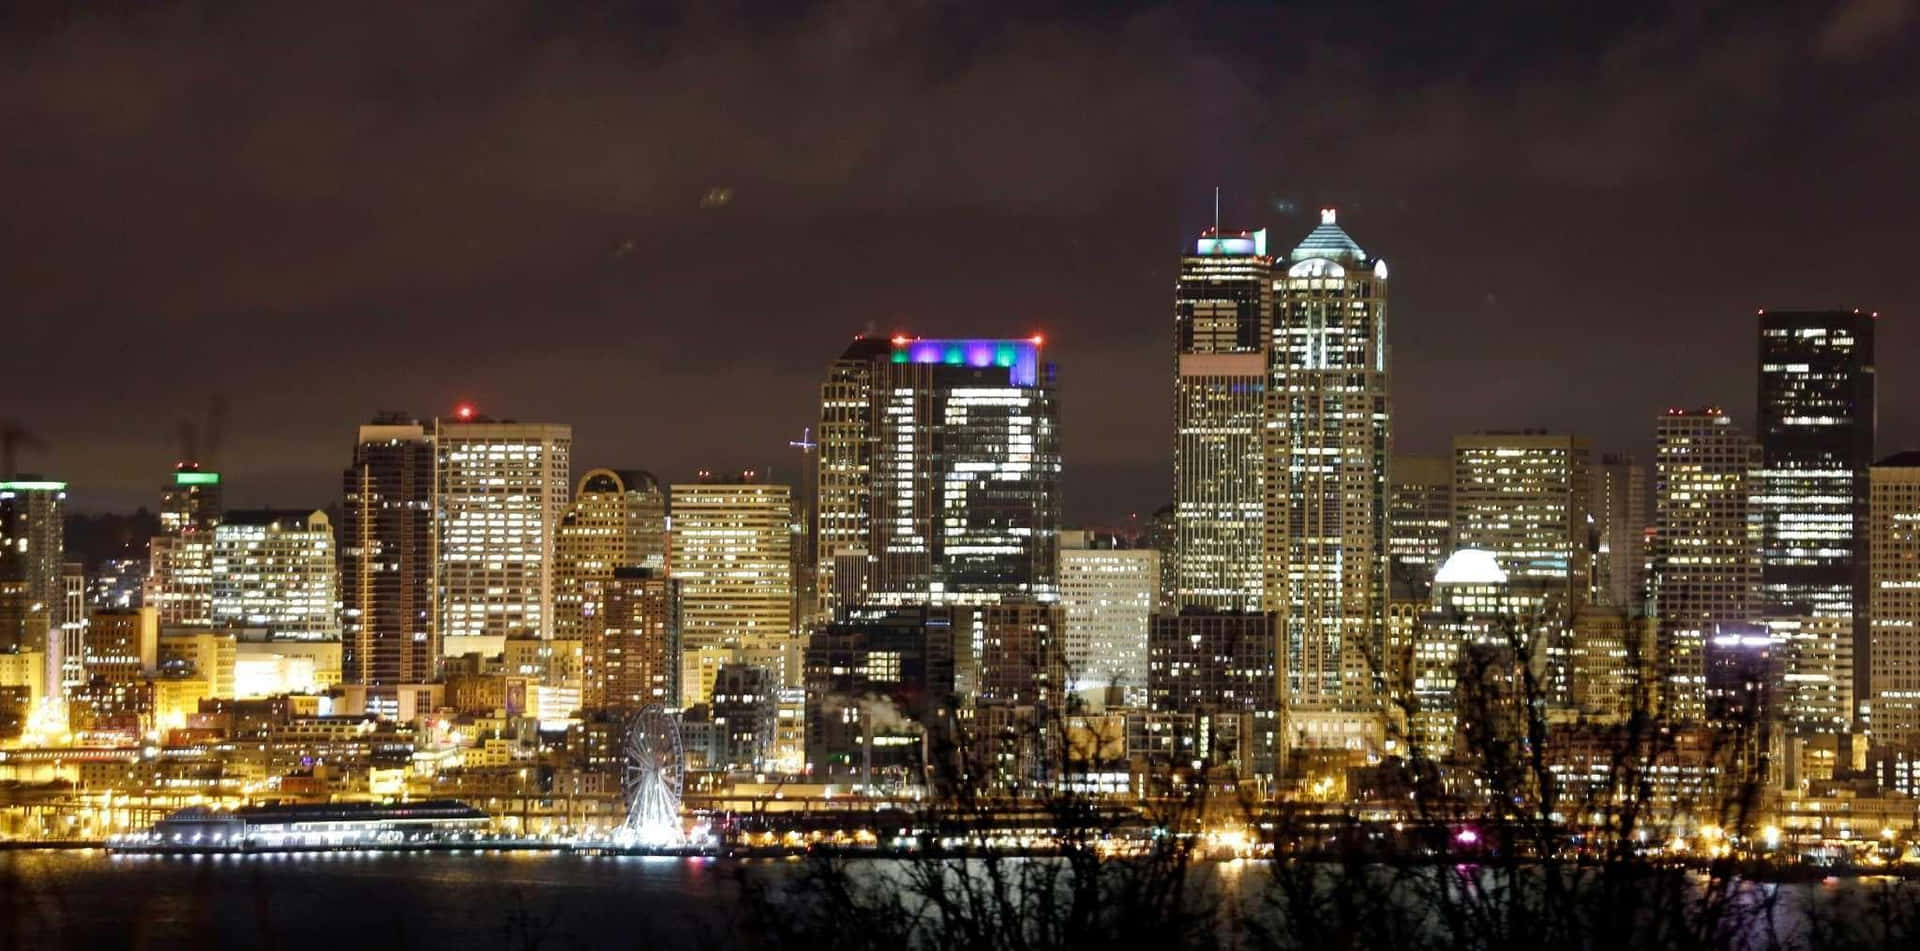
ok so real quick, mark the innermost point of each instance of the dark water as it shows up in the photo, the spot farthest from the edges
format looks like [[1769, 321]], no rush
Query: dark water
[[349, 902]]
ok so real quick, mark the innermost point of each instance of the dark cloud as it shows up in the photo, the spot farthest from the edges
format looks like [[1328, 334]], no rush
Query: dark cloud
[[327, 210]]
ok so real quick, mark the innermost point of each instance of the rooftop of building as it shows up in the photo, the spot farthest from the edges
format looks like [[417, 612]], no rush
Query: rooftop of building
[[273, 518], [1329, 241], [1909, 459]]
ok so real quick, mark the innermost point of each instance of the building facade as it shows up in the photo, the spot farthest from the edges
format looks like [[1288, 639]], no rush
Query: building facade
[[1893, 696], [1619, 509], [1525, 497], [1706, 557], [1328, 442], [733, 557], [389, 627], [1108, 595], [1223, 301], [275, 569], [1816, 434], [500, 490]]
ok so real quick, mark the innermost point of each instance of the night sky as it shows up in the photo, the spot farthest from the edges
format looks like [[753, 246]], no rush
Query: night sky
[[661, 224]]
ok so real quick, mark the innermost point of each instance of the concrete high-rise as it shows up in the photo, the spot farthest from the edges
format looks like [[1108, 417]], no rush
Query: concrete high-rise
[[500, 490], [1619, 509], [1223, 302], [1109, 594], [190, 500], [1328, 442], [1706, 548], [1816, 433], [1524, 497], [276, 569], [388, 628], [1419, 522], [632, 656], [1893, 693], [732, 555]]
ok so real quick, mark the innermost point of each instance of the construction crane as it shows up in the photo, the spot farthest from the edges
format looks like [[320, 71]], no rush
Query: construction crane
[[13, 438]]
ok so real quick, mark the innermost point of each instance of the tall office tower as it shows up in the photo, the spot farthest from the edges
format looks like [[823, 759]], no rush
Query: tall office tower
[[1706, 547], [732, 554], [632, 657], [1163, 536], [386, 556], [1525, 497], [1109, 594], [1222, 304], [191, 500], [33, 532], [843, 489], [966, 473], [1893, 695], [122, 646], [618, 519], [1816, 428], [1328, 441], [1619, 510], [500, 490], [939, 474], [275, 569], [1419, 522]]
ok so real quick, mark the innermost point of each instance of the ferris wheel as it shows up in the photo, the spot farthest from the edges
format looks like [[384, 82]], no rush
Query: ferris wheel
[[654, 777]]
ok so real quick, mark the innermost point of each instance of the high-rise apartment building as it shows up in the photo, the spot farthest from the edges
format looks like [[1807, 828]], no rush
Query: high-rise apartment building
[[1328, 442], [500, 490], [1816, 433], [1893, 696], [1109, 594], [618, 519], [1619, 510], [1419, 522], [32, 562], [1223, 301], [386, 556], [732, 555], [1524, 497], [632, 656], [276, 569], [1706, 557]]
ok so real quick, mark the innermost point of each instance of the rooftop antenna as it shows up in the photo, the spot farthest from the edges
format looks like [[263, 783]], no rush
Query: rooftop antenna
[[1216, 209]]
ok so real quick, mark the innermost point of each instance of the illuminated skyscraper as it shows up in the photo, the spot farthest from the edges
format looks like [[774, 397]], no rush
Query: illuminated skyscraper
[[1894, 606], [500, 490], [1222, 304], [1109, 593], [618, 519], [1816, 404], [179, 582], [386, 556], [32, 559], [1420, 522], [1328, 441], [1524, 497], [733, 558], [632, 655], [1619, 510], [1706, 549], [966, 473], [275, 569], [843, 505]]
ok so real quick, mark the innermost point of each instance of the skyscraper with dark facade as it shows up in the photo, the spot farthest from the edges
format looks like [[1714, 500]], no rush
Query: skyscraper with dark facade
[[1816, 432], [386, 556], [843, 505], [1222, 303], [32, 558]]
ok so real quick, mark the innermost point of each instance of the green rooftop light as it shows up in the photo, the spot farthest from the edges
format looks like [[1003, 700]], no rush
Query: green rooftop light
[[196, 478], [21, 485]]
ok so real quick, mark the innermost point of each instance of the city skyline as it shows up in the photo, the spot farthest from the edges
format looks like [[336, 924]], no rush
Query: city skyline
[[1521, 225]]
